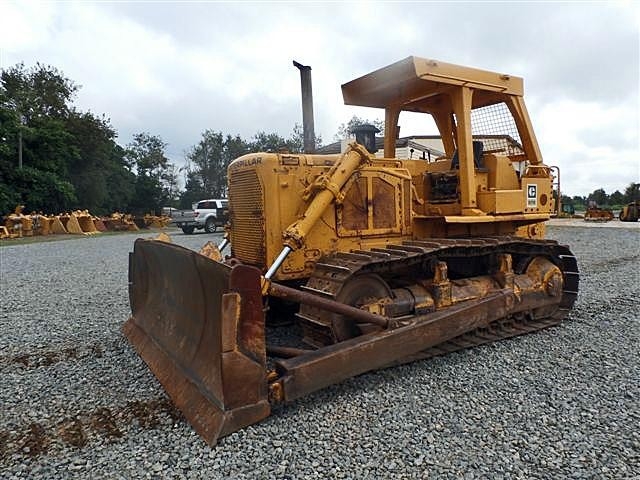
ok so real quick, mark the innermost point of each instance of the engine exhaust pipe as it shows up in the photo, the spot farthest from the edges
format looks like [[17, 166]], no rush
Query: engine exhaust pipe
[[307, 108]]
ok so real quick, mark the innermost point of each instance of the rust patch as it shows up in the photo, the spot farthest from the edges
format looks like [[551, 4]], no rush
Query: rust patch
[[384, 204], [354, 206]]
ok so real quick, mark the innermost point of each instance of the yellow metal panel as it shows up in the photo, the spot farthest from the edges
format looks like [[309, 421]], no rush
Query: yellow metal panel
[[502, 175], [462, 108], [501, 201], [537, 195], [436, 70]]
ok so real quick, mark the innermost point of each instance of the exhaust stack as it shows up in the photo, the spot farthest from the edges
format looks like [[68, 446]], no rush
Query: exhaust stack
[[307, 108]]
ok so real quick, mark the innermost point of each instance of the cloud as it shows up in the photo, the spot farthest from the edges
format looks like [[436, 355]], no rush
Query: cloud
[[176, 69], [594, 145]]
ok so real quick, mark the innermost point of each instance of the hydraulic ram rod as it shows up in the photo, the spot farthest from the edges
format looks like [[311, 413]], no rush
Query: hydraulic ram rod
[[360, 316]]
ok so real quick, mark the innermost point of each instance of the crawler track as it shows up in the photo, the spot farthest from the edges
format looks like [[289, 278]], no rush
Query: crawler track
[[398, 264]]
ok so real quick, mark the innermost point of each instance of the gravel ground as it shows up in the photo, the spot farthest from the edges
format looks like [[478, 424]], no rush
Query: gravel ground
[[77, 402]]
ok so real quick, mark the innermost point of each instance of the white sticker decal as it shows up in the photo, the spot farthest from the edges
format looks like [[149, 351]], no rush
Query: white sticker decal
[[532, 195]]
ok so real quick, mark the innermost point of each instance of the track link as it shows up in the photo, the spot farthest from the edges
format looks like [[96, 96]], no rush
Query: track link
[[410, 259]]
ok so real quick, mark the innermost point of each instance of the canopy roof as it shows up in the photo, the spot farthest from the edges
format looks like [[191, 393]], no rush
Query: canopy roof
[[420, 85]]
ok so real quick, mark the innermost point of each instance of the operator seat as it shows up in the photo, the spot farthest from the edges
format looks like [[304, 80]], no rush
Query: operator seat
[[478, 148]]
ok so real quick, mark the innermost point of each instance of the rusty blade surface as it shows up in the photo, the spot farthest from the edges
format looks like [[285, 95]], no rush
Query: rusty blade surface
[[189, 324]]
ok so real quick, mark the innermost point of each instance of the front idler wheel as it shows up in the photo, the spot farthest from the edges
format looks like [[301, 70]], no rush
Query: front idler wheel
[[358, 291]]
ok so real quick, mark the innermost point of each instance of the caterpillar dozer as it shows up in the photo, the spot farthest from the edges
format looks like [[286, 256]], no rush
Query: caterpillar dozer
[[338, 264], [630, 212]]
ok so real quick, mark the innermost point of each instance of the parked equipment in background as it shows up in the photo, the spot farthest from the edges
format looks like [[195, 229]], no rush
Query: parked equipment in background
[[630, 212], [597, 214], [341, 264], [77, 222], [568, 210]]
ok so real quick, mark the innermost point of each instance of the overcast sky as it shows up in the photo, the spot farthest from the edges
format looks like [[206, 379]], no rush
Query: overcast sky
[[176, 69]]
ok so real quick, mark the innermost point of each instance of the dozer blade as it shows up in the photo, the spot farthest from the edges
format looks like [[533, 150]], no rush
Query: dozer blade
[[199, 326]]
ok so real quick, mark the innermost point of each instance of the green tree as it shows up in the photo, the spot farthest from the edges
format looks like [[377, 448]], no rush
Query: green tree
[[38, 92], [579, 202], [268, 142], [566, 200], [600, 197], [632, 192], [210, 159], [616, 198], [344, 130], [194, 191], [170, 187], [207, 161], [102, 179], [43, 191], [120, 182], [155, 175], [295, 142], [34, 104]]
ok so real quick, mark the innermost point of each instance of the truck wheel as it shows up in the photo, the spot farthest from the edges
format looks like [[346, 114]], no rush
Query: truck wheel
[[210, 226], [187, 230]]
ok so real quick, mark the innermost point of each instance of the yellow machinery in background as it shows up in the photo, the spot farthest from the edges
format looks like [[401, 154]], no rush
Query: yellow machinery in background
[[597, 214], [373, 261], [78, 222], [630, 212]]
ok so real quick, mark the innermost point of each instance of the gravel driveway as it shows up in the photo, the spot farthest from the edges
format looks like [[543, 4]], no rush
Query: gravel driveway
[[77, 402]]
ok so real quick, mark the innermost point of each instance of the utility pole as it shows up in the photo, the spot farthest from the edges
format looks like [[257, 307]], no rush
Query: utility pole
[[23, 122], [20, 148]]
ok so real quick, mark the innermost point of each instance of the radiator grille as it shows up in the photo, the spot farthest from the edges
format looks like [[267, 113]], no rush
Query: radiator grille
[[246, 214]]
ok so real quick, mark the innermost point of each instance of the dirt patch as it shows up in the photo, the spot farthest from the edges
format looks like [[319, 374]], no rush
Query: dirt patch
[[71, 431], [4, 444], [146, 413], [103, 422], [77, 431], [51, 357], [34, 441]]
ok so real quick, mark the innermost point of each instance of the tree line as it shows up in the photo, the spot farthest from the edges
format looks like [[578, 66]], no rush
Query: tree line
[[55, 157], [601, 198]]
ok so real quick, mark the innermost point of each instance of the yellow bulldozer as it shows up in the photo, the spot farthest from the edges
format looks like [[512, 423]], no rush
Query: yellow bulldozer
[[630, 212], [335, 265]]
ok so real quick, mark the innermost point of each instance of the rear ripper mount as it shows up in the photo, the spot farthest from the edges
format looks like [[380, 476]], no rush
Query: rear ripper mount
[[203, 336]]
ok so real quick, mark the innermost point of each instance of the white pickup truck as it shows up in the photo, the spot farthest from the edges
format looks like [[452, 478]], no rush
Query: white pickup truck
[[211, 214], [208, 214]]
